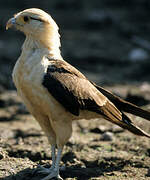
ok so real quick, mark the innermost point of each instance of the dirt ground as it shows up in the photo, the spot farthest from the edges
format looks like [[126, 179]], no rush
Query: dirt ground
[[96, 150]]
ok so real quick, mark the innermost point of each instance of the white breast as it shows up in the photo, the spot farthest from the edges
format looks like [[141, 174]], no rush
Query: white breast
[[28, 75]]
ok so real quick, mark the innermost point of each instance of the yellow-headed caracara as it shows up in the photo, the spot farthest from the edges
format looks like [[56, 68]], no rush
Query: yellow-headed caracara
[[55, 92]]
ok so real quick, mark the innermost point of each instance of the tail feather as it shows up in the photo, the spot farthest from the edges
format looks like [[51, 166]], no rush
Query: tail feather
[[127, 124], [123, 105], [116, 116], [111, 114]]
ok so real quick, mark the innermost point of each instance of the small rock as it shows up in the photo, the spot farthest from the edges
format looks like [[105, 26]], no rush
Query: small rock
[[19, 141], [103, 128], [117, 129], [107, 136]]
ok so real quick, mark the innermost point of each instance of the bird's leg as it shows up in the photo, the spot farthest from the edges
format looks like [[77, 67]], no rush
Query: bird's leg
[[53, 155], [49, 170], [55, 170]]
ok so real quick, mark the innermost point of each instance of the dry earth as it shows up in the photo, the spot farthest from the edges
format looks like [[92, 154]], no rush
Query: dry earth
[[97, 149]]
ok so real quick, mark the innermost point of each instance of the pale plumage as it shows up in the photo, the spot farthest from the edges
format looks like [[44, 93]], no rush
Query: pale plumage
[[55, 92]]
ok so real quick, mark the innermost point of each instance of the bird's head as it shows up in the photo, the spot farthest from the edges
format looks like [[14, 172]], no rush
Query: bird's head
[[36, 24], [32, 22]]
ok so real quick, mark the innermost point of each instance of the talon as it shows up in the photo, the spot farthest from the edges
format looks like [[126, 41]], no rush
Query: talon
[[53, 174], [43, 170]]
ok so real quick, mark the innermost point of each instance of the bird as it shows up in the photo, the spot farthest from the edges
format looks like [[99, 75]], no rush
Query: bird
[[55, 92]]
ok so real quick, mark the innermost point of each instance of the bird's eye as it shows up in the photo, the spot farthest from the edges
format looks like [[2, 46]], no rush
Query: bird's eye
[[26, 18]]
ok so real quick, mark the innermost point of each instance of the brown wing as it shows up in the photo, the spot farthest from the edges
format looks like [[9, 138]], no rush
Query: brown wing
[[71, 88], [74, 92]]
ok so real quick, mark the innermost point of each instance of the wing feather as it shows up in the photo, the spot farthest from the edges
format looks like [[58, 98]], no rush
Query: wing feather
[[74, 92], [71, 88]]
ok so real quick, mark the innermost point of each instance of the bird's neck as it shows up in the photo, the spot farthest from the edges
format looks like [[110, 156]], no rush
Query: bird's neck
[[49, 47]]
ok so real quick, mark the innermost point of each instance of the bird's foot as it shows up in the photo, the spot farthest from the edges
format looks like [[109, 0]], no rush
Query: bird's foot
[[43, 170], [54, 174]]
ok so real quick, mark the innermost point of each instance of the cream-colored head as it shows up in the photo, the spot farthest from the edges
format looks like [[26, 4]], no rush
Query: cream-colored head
[[38, 26]]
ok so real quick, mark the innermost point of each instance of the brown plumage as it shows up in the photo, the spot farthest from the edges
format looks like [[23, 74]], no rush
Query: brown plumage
[[55, 92], [76, 93]]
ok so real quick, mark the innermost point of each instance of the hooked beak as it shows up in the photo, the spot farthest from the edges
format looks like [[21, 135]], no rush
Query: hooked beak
[[11, 22]]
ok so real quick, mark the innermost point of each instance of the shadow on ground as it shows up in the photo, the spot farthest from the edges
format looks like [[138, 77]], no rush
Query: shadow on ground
[[93, 169]]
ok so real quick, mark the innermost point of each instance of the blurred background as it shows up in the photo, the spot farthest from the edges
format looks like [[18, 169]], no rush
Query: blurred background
[[108, 40]]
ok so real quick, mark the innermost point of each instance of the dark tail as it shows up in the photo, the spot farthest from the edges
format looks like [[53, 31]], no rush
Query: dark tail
[[112, 114], [131, 127], [123, 105]]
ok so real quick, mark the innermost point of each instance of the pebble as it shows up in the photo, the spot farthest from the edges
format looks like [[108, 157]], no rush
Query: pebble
[[117, 129], [107, 136]]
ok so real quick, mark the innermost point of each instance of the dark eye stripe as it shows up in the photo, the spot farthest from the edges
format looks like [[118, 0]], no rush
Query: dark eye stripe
[[36, 19]]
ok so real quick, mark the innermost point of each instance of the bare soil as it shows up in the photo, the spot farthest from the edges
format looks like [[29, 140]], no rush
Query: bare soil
[[89, 154]]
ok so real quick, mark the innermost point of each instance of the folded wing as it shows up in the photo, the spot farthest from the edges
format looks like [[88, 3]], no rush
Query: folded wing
[[76, 93]]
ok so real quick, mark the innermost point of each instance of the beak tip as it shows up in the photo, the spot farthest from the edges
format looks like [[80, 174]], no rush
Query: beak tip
[[7, 27], [10, 23]]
